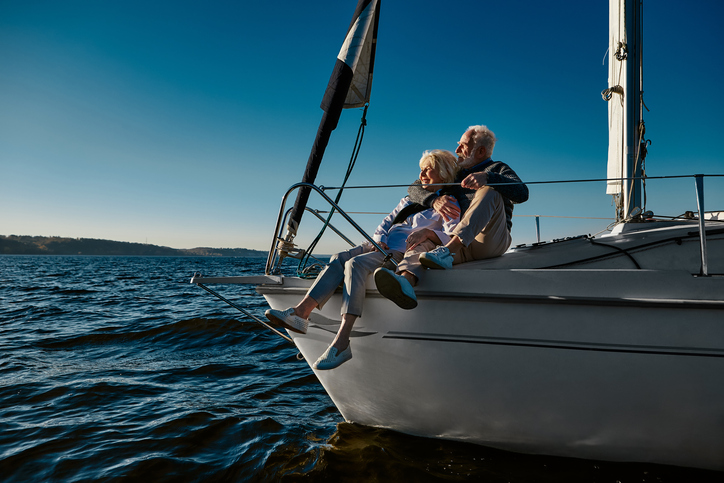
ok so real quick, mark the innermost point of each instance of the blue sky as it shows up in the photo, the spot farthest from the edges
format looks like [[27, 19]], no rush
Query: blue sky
[[183, 123]]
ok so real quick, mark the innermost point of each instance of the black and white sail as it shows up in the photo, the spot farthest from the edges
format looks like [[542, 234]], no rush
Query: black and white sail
[[349, 86]]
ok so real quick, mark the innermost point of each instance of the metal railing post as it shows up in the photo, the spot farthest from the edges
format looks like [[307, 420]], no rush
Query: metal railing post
[[699, 178], [279, 227]]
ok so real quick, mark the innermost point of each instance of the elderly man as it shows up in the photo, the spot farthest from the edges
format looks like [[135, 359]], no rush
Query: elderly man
[[484, 229]]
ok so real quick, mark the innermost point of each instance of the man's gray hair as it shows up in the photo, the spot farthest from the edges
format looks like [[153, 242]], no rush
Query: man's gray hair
[[482, 136]]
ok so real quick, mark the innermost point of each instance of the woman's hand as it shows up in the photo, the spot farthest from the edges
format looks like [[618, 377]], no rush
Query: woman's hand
[[419, 236]]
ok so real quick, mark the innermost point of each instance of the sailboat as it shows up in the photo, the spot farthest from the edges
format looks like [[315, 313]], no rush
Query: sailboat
[[607, 348]]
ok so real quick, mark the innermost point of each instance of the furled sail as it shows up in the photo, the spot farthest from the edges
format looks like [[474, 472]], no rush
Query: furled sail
[[349, 86], [626, 148], [617, 51]]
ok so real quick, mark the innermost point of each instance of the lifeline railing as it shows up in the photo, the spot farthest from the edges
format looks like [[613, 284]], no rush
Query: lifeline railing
[[280, 244], [281, 247], [699, 181]]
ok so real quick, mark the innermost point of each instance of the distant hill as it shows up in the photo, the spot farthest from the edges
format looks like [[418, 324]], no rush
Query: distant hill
[[53, 245]]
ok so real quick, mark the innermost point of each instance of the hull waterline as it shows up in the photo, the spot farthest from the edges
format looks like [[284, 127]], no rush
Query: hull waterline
[[617, 365]]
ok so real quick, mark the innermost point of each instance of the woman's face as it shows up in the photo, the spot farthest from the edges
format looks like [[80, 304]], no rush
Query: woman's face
[[428, 176]]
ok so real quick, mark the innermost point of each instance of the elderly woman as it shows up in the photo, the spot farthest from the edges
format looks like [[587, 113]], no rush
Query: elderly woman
[[406, 232]]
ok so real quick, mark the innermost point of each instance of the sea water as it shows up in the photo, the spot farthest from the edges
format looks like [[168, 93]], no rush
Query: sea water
[[117, 368]]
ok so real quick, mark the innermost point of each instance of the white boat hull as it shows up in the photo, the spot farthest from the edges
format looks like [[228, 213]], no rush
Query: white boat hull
[[618, 365], [607, 348]]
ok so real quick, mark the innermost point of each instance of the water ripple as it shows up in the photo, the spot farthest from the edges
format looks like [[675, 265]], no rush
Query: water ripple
[[118, 369]]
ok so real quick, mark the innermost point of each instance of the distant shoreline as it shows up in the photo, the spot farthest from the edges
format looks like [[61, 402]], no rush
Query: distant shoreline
[[53, 245]]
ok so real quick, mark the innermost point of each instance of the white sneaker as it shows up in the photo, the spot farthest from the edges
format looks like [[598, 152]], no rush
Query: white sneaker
[[396, 288], [333, 358], [287, 319], [440, 258]]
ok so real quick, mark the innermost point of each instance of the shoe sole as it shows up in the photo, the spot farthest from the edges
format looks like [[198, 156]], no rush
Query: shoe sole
[[426, 262], [283, 323], [390, 289]]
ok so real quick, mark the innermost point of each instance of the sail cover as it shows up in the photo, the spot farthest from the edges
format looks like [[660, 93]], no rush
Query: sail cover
[[617, 75], [349, 86]]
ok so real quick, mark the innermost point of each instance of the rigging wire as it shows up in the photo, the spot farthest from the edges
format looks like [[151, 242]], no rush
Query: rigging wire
[[514, 216], [302, 271], [561, 181]]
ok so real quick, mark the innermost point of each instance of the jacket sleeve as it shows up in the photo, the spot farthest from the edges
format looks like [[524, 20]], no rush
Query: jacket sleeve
[[502, 173], [420, 195]]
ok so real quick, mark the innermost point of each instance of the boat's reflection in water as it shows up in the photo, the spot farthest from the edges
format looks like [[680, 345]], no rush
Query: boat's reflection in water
[[362, 453]]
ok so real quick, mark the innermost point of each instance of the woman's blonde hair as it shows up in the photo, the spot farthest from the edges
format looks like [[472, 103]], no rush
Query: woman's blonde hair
[[445, 162]]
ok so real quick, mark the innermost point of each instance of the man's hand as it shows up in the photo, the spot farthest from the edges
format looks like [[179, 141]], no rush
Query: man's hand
[[445, 205], [475, 181]]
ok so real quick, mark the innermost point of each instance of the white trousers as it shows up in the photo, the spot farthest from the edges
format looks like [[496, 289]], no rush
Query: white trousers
[[353, 267]]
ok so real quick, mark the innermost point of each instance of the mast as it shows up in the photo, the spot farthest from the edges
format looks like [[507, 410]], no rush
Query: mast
[[349, 86], [627, 147]]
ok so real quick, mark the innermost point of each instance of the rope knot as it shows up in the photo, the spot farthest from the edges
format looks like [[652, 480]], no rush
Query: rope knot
[[607, 94]]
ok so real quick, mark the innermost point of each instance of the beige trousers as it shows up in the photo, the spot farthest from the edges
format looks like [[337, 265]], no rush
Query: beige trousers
[[411, 261], [483, 228]]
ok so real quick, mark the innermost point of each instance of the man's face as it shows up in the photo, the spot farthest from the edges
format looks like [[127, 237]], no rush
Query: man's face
[[465, 150]]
